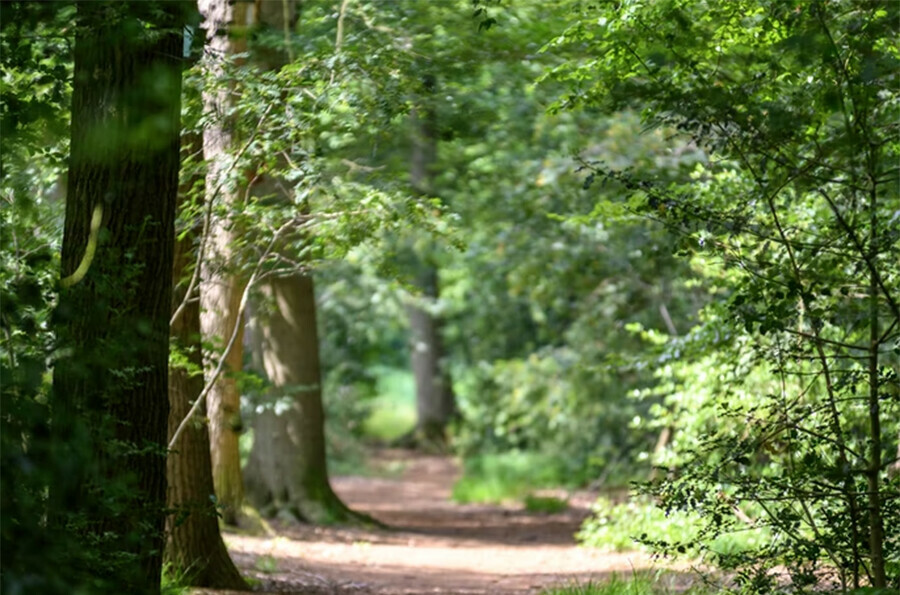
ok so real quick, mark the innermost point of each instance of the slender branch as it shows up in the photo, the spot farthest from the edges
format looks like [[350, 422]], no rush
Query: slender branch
[[207, 219], [876, 522], [888, 331], [231, 341], [866, 255], [339, 39], [823, 340], [823, 359]]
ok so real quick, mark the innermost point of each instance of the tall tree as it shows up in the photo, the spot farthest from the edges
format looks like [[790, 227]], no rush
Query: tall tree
[[222, 287], [110, 382], [287, 470], [194, 545], [435, 401]]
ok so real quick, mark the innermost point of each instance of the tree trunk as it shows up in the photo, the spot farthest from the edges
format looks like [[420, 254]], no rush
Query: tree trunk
[[287, 471], [873, 475], [112, 322], [194, 547], [222, 288], [435, 401]]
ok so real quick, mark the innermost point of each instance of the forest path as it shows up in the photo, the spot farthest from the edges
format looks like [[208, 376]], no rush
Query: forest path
[[433, 546]]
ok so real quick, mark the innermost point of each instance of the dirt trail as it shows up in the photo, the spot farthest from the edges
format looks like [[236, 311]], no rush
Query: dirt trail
[[434, 546]]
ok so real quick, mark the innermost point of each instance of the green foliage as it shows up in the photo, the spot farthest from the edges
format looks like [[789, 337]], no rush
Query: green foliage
[[637, 522], [570, 287], [793, 225], [33, 558], [544, 504], [638, 583], [36, 92], [298, 206], [392, 411], [508, 476], [35, 51]]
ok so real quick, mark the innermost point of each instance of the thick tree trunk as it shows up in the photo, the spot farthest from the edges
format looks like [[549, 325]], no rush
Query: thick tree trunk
[[112, 322], [287, 471], [435, 401], [194, 546], [222, 288]]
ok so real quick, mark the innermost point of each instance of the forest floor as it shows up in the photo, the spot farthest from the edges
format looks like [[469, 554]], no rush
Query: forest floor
[[433, 545]]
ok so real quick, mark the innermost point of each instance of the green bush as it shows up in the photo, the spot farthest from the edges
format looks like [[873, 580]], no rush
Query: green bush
[[508, 476], [633, 524], [544, 504], [639, 583]]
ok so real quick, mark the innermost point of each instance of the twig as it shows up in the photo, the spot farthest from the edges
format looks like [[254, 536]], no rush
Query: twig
[[207, 219], [234, 334]]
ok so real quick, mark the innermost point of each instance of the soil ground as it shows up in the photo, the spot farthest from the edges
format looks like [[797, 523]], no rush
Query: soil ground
[[433, 545]]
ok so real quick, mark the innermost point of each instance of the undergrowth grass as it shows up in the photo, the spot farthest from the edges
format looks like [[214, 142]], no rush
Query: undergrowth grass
[[664, 583], [495, 478], [174, 582], [639, 583], [544, 504]]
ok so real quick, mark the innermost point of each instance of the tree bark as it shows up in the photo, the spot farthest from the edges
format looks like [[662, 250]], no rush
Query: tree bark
[[873, 475], [111, 380], [287, 471], [435, 400], [222, 288], [194, 546]]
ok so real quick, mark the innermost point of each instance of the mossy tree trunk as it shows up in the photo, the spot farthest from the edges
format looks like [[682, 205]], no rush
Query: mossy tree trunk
[[287, 470], [194, 545], [111, 379]]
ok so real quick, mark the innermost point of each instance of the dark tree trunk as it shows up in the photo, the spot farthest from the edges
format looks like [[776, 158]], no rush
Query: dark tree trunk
[[435, 401], [287, 470], [194, 546], [110, 381]]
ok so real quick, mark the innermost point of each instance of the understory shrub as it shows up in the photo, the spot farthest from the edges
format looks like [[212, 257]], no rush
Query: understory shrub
[[508, 476]]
